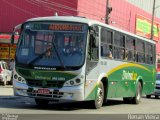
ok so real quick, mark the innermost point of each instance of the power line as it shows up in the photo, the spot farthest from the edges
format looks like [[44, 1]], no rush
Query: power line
[[19, 8], [56, 4], [47, 6], [66, 7]]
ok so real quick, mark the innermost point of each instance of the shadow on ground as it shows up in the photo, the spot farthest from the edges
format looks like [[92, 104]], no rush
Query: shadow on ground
[[28, 103]]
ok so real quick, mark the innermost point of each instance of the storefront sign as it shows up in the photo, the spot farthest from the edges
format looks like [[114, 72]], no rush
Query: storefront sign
[[6, 50], [12, 51], [143, 28]]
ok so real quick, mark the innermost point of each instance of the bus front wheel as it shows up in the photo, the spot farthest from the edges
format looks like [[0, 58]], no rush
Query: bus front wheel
[[97, 103]]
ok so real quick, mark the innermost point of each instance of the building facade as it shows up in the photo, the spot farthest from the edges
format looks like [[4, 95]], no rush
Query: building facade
[[131, 15]]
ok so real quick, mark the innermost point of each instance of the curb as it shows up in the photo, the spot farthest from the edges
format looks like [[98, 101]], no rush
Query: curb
[[9, 97], [6, 86]]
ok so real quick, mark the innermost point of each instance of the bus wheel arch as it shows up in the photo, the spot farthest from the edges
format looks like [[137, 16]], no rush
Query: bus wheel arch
[[105, 84], [100, 94]]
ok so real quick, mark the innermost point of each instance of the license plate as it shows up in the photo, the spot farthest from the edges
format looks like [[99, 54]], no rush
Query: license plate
[[43, 91]]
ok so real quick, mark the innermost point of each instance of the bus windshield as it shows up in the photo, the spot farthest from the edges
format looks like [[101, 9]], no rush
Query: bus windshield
[[53, 45]]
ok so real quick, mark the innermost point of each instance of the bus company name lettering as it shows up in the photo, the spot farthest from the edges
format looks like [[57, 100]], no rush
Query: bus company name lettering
[[58, 78], [50, 78], [126, 75]]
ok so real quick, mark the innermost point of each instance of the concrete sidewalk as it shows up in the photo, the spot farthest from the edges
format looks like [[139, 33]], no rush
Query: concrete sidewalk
[[6, 90]]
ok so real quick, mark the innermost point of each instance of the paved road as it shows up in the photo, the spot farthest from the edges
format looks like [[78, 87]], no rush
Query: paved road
[[21, 105]]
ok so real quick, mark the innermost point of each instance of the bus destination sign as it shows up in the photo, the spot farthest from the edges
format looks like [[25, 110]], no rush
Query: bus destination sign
[[57, 27]]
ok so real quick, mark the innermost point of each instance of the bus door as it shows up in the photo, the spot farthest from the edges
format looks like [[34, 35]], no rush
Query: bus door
[[92, 67]]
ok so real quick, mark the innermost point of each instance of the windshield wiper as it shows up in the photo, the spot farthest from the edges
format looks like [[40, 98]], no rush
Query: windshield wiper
[[38, 57], [60, 59], [44, 53]]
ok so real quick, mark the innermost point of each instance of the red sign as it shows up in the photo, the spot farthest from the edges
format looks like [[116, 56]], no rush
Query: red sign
[[5, 36], [43, 91]]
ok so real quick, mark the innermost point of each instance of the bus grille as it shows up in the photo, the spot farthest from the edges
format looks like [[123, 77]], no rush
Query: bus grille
[[52, 94], [45, 83]]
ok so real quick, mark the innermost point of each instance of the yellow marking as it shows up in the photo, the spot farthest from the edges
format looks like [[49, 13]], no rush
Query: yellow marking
[[127, 65]]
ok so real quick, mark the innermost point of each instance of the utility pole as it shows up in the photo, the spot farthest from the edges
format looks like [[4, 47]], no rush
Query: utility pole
[[108, 11], [152, 24]]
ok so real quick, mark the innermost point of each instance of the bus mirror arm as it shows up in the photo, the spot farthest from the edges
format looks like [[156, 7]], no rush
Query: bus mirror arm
[[92, 31], [12, 38]]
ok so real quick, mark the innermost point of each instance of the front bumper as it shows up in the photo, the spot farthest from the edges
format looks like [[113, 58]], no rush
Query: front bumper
[[75, 93]]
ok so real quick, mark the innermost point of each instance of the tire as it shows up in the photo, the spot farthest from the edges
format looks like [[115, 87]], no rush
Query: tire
[[148, 96], [99, 99], [156, 96], [41, 102], [137, 98]]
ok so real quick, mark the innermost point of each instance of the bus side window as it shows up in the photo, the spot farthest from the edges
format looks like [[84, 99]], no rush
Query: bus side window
[[140, 51], [94, 44], [106, 43], [119, 43], [130, 49], [149, 53]]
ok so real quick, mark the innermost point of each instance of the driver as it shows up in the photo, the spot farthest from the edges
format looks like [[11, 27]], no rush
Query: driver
[[49, 52]]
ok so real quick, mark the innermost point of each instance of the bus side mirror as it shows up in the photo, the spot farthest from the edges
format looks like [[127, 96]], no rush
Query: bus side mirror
[[93, 44], [15, 33], [93, 36], [93, 47]]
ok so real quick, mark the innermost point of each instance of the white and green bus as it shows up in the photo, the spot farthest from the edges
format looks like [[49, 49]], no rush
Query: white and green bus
[[77, 59]]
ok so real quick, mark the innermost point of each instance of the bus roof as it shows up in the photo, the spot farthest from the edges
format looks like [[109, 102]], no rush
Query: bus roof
[[85, 21]]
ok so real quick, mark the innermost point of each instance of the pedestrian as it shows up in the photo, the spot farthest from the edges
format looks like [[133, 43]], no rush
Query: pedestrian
[[11, 64]]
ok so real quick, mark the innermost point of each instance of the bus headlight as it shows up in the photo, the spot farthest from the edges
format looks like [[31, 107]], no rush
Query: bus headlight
[[15, 76], [73, 82], [19, 78]]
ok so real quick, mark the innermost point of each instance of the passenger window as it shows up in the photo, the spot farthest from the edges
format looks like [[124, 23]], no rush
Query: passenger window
[[106, 43], [149, 53], [130, 49], [119, 46], [140, 51]]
